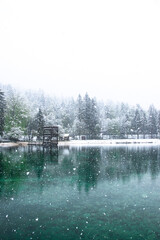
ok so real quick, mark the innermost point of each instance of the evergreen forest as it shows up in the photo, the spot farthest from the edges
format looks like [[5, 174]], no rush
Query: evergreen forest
[[24, 114]]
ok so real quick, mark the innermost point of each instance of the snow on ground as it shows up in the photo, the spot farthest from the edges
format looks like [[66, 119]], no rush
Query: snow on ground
[[12, 144], [110, 142]]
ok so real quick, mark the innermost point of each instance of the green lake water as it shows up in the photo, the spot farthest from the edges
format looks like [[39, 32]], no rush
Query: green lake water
[[80, 193]]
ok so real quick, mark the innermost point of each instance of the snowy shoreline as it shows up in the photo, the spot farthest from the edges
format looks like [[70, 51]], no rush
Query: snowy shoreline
[[13, 144], [110, 142]]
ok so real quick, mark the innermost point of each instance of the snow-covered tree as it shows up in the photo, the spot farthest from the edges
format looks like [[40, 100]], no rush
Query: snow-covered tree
[[17, 113], [94, 120], [2, 110], [15, 133], [84, 116], [143, 123], [136, 123], [158, 123], [152, 121], [39, 123], [87, 121], [79, 121]]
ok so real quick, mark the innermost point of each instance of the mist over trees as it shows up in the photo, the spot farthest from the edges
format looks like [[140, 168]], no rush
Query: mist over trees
[[25, 114], [2, 109]]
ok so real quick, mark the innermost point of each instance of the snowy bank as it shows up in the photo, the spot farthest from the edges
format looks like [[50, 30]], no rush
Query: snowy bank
[[12, 144], [110, 142]]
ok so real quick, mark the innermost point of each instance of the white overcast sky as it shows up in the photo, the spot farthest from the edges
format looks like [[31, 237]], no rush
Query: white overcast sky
[[108, 48]]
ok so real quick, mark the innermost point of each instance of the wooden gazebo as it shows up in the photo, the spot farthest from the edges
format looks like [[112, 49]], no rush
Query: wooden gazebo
[[50, 136]]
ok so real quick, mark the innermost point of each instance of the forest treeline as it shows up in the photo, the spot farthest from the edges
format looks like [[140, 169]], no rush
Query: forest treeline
[[25, 114]]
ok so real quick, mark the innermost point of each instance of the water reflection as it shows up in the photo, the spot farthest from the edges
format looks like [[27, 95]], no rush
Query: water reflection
[[80, 193], [123, 163], [39, 157], [85, 165], [88, 168]]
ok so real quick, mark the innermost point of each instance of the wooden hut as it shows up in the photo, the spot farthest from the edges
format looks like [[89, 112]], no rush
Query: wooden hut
[[50, 136]]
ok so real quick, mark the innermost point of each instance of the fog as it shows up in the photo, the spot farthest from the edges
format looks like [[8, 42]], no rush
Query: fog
[[109, 49]]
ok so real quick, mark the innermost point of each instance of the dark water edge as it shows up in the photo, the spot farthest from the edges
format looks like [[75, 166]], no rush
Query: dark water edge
[[80, 193]]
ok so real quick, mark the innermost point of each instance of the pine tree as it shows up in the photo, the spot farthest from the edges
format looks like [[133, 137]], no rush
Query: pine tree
[[87, 118], [17, 113], [87, 114], [90, 117], [158, 123], [2, 109], [124, 120], [94, 125], [136, 123], [39, 119], [80, 117], [152, 121], [79, 121], [143, 123], [68, 116], [80, 108]]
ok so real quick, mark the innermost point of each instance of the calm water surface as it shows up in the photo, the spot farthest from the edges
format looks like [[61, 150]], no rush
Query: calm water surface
[[80, 193]]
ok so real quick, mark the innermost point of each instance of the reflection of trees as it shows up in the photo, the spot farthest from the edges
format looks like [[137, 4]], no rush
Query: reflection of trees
[[16, 163], [155, 161], [145, 160], [1, 172], [12, 164], [67, 165], [37, 159], [88, 168], [12, 168], [81, 166], [124, 162]]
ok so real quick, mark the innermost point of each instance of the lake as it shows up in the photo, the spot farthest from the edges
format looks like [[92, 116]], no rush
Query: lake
[[84, 192]]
